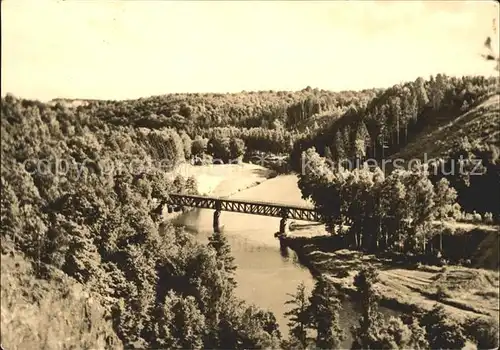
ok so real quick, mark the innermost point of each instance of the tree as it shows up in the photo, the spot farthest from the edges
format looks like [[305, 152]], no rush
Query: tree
[[484, 331], [339, 146], [397, 335], [324, 311], [371, 323], [219, 243], [219, 148], [179, 184], [444, 198], [360, 141], [421, 93], [418, 340], [166, 145], [198, 146], [182, 324], [186, 142], [396, 114], [442, 332], [300, 318], [278, 125], [237, 147], [260, 330], [9, 205]]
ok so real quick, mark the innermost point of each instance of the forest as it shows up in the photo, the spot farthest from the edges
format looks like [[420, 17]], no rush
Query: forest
[[397, 115], [405, 112], [67, 207]]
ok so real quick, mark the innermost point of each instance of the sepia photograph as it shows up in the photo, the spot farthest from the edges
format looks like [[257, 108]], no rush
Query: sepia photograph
[[290, 175]]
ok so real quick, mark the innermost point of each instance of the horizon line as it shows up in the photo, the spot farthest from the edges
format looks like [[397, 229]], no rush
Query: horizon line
[[4, 95]]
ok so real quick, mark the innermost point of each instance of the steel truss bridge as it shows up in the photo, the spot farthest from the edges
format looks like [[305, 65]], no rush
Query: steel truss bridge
[[246, 207]]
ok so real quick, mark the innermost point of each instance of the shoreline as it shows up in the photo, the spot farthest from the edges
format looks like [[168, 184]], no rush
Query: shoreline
[[401, 288]]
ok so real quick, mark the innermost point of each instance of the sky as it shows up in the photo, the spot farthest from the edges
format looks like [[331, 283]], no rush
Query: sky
[[131, 49]]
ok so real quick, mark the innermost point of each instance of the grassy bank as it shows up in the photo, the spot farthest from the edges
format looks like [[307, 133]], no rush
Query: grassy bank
[[463, 291]]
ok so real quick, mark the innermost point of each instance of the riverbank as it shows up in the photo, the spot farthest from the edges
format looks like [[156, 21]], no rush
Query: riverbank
[[463, 292]]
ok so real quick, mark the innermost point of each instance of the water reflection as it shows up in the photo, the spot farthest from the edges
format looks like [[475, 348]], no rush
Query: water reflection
[[284, 251]]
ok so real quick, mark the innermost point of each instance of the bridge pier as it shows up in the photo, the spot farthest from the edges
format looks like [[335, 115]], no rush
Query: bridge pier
[[283, 224], [218, 207], [283, 227], [216, 221]]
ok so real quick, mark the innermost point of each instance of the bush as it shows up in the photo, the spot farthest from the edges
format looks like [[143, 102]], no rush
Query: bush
[[442, 293], [483, 331], [456, 213], [488, 218], [441, 331], [477, 217], [468, 217]]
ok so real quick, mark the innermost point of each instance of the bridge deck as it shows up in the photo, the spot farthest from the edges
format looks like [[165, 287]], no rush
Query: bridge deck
[[244, 206]]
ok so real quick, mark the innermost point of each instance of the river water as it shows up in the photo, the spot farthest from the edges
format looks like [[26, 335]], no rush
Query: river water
[[264, 276]]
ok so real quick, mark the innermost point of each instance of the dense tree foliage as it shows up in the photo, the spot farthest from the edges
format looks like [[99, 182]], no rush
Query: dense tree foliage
[[324, 311], [192, 112], [395, 116], [484, 331], [441, 331], [266, 121], [83, 187], [391, 212], [85, 196], [318, 313], [222, 249], [48, 313], [376, 332], [374, 123], [299, 318], [473, 169]]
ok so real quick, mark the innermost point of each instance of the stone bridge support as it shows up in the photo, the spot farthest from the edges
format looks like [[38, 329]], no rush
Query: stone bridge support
[[217, 216], [283, 226], [283, 223]]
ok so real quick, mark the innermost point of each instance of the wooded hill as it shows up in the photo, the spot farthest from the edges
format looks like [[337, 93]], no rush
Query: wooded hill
[[398, 116]]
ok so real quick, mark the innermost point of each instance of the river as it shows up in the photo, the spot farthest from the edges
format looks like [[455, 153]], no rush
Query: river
[[264, 276]]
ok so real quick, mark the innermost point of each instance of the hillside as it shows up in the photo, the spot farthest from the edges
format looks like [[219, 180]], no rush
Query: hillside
[[453, 119], [401, 116], [194, 111], [481, 124], [59, 314]]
